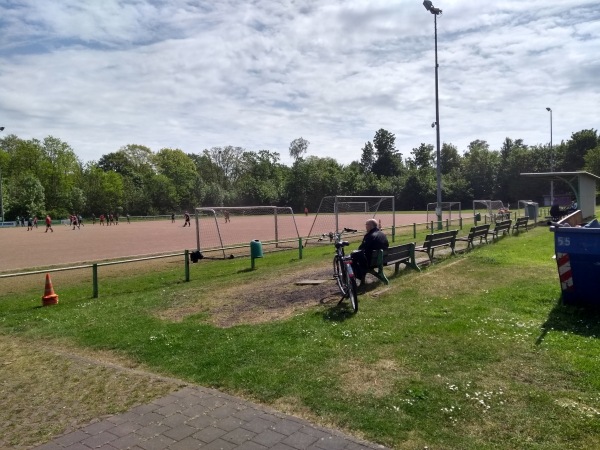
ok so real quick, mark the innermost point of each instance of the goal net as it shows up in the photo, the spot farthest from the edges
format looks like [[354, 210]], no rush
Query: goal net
[[227, 231], [489, 210], [338, 212], [450, 211]]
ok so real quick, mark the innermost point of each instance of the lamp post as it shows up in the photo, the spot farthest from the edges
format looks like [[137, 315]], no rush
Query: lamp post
[[438, 209], [551, 160], [1, 202]]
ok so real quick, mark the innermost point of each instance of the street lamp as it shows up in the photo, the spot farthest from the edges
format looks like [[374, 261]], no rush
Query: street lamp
[[551, 160], [1, 202], [438, 210]]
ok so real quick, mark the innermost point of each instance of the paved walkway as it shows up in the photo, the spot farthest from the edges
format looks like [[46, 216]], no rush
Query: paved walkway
[[196, 417]]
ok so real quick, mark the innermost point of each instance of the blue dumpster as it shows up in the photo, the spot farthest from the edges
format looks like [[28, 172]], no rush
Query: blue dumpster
[[578, 260]]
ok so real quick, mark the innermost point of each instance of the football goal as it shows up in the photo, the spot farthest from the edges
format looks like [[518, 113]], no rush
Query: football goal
[[229, 230], [339, 211], [491, 210], [450, 211]]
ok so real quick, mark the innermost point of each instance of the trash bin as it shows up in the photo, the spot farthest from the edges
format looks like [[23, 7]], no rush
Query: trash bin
[[578, 260], [477, 217], [256, 250], [531, 211]]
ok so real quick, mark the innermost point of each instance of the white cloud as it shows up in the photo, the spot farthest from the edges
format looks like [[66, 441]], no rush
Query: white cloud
[[102, 74]]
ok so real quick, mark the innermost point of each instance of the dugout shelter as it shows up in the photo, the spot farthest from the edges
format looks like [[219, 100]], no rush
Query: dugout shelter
[[583, 185]]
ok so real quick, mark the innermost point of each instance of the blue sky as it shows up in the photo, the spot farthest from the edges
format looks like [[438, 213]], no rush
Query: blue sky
[[257, 74]]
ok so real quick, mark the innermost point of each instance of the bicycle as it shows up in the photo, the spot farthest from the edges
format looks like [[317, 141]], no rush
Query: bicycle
[[343, 272]]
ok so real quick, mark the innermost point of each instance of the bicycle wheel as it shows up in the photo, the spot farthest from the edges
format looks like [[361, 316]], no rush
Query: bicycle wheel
[[352, 294], [339, 270]]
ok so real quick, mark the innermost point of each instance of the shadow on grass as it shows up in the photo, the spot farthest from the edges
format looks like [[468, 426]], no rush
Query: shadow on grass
[[338, 311], [584, 321]]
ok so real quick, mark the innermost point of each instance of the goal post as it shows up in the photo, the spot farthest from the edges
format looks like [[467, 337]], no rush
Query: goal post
[[489, 208], [220, 229], [447, 209], [337, 212]]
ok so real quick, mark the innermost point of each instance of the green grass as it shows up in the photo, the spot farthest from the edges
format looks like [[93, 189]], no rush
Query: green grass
[[473, 353]]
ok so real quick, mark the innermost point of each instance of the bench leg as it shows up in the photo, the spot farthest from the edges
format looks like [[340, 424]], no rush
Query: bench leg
[[379, 274]]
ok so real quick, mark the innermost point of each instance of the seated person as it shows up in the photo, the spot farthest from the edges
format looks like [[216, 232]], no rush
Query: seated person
[[573, 206], [555, 211], [374, 240]]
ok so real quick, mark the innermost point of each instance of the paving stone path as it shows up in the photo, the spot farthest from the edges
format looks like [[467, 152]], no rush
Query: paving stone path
[[196, 417]]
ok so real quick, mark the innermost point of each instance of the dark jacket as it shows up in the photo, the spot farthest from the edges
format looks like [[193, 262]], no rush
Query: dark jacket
[[372, 241]]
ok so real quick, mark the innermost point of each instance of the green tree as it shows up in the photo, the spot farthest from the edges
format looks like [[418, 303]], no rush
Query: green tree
[[227, 160], [577, 147], [451, 160], [261, 180], [180, 169], [28, 196], [481, 169], [423, 157], [61, 171], [367, 158], [310, 180], [298, 148], [163, 194], [592, 161], [388, 161]]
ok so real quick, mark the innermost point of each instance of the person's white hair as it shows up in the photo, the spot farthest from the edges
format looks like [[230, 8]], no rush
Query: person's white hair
[[372, 222]]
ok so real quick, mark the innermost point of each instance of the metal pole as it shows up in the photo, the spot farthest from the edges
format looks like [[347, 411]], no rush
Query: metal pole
[[551, 161], [438, 209], [1, 202], [95, 281]]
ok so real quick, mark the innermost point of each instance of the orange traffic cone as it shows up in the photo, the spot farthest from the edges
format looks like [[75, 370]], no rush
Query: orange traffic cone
[[49, 298]]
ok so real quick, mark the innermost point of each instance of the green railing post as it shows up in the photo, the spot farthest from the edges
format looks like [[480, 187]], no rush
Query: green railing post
[[187, 265], [95, 281], [447, 225], [300, 248], [393, 233], [460, 222], [414, 230]]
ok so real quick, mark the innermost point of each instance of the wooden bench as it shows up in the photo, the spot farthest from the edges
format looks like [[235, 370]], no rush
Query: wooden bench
[[399, 254], [478, 231], [500, 227], [437, 240], [520, 223]]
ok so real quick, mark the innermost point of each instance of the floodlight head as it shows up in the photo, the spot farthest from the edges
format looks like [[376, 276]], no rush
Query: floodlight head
[[428, 4], [1, 128], [548, 109], [432, 124]]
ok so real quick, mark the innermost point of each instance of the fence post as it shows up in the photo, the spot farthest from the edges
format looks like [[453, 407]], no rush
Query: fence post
[[460, 222], [447, 225], [95, 280], [393, 233], [414, 230], [300, 248], [187, 264]]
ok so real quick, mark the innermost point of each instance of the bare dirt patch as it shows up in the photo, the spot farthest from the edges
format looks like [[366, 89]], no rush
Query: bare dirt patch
[[258, 300]]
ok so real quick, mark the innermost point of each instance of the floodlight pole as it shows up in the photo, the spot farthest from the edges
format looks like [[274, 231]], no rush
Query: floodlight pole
[[438, 210], [1, 201], [551, 160]]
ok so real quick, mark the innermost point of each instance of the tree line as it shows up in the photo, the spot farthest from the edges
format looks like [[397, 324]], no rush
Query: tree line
[[46, 176]]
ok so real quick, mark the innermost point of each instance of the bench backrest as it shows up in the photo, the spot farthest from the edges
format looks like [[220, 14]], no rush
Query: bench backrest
[[440, 239], [522, 221], [479, 230], [502, 226], [398, 252]]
